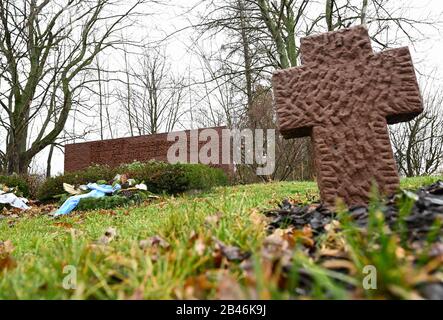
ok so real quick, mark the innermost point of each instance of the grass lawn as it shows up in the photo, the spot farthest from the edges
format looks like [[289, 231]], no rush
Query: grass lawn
[[185, 261]]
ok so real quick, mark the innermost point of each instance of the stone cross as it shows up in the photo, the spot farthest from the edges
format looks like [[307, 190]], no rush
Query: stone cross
[[343, 97]]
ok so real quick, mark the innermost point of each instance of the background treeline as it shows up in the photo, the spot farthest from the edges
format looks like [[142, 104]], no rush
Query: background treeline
[[74, 69]]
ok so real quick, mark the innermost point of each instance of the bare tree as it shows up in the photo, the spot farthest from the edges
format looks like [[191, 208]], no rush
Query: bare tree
[[153, 96], [162, 94], [35, 91], [263, 35], [104, 94], [292, 156], [217, 93], [418, 144]]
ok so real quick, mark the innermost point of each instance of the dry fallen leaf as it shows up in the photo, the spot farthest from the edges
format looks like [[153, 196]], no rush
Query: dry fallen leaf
[[340, 264], [197, 287], [277, 247], [436, 250], [63, 225], [326, 252], [108, 236], [230, 252], [214, 219], [275, 243], [154, 247], [258, 218], [193, 236], [304, 237], [334, 226], [7, 262], [200, 246], [404, 294], [6, 247], [433, 265], [334, 238], [155, 241], [228, 288]]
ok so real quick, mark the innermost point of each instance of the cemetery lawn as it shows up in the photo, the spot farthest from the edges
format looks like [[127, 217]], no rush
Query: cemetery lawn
[[183, 261]]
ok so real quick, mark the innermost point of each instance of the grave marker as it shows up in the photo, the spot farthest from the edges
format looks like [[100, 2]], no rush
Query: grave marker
[[343, 96]]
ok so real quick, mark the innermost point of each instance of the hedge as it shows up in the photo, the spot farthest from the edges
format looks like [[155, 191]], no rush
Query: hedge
[[15, 181], [160, 177], [119, 200]]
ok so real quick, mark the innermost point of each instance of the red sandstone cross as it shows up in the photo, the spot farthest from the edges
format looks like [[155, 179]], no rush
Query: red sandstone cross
[[344, 96]]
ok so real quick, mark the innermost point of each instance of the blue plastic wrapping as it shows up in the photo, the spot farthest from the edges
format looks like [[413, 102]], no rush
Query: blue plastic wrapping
[[98, 191]]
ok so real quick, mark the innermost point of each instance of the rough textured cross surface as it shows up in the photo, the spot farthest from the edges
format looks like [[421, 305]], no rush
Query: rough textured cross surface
[[343, 96]]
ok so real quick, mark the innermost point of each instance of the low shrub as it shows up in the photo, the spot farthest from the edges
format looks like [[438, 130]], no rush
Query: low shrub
[[121, 199], [34, 182], [160, 177], [203, 177], [54, 186], [16, 181], [103, 203]]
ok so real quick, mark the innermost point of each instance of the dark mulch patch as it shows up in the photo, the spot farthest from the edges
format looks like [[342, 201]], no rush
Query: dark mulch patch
[[427, 207]]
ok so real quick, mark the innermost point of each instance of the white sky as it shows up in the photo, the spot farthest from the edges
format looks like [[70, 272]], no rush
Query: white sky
[[427, 54]]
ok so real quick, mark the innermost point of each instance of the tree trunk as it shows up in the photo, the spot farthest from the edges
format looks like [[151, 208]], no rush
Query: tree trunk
[[17, 163], [246, 54], [48, 168], [16, 157]]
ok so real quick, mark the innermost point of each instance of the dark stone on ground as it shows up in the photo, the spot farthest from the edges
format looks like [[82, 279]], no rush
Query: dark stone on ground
[[427, 207], [431, 291]]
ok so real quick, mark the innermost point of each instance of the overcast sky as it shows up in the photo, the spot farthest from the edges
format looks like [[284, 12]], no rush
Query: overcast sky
[[427, 54]]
